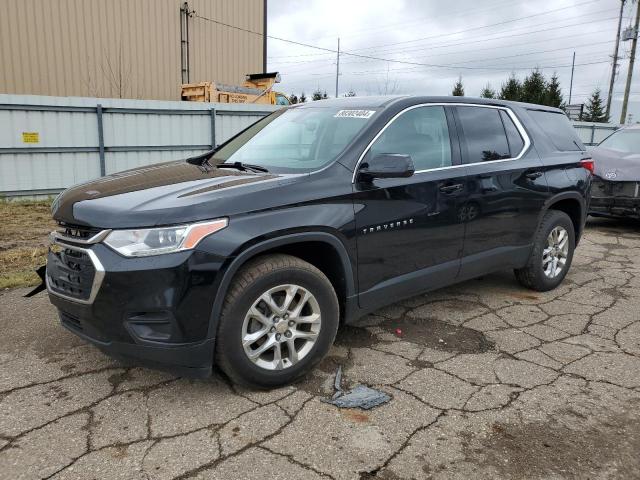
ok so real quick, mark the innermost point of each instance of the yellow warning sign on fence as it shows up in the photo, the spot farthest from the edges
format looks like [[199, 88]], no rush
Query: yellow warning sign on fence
[[30, 137]]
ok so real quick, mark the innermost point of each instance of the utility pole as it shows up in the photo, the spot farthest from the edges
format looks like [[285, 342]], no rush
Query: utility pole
[[573, 65], [615, 59], [337, 67], [634, 43]]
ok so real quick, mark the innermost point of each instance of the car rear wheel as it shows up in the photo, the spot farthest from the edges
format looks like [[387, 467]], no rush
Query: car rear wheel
[[552, 253], [279, 320]]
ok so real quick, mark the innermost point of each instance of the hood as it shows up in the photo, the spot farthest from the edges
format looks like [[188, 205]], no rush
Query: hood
[[165, 194], [616, 166]]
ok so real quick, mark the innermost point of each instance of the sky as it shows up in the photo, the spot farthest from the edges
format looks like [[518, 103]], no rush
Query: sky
[[423, 47]]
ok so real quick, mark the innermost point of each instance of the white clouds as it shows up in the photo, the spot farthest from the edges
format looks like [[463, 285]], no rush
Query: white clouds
[[489, 35]]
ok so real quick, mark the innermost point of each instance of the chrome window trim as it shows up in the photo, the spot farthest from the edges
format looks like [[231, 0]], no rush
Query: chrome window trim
[[98, 237], [514, 118], [97, 278]]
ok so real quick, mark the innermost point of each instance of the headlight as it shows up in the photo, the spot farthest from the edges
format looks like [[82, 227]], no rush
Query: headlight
[[155, 241]]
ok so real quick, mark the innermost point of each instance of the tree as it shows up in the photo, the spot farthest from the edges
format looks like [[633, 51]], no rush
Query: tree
[[488, 92], [303, 98], [512, 89], [594, 111], [553, 95], [319, 95], [293, 99], [458, 88], [534, 88], [350, 93]]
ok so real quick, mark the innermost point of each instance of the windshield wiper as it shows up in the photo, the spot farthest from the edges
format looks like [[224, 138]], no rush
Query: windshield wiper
[[244, 167]]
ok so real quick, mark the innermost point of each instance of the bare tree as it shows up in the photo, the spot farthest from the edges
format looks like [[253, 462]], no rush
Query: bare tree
[[389, 86], [116, 73]]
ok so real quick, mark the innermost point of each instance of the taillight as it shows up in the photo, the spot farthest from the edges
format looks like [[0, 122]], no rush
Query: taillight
[[587, 164]]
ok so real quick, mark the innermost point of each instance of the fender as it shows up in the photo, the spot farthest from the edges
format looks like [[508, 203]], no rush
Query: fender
[[263, 246], [573, 195]]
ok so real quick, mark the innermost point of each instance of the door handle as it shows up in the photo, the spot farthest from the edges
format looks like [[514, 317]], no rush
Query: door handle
[[449, 189], [534, 175]]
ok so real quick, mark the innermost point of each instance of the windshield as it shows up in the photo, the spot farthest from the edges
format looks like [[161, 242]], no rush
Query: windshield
[[623, 141], [295, 140]]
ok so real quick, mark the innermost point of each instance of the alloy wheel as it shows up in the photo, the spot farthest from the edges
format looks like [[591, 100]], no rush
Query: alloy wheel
[[554, 256], [281, 327]]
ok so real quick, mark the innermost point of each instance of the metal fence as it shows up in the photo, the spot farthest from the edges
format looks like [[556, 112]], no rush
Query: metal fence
[[50, 143], [593, 133]]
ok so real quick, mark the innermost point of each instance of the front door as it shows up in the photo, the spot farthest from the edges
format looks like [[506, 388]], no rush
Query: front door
[[409, 234]]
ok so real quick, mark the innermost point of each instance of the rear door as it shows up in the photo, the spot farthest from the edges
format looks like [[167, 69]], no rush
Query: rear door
[[506, 189], [409, 236]]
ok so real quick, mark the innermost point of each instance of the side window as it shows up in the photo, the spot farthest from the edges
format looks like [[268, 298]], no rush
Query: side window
[[516, 143], [484, 135], [421, 133]]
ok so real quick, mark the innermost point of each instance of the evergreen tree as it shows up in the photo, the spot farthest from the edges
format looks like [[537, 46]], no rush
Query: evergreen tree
[[534, 88], [293, 99], [595, 111], [512, 89], [553, 95], [303, 98], [458, 88], [317, 95], [488, 92], [350, 93]]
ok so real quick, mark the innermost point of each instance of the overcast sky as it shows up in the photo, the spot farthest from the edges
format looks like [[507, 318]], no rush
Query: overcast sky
[[483, 42]]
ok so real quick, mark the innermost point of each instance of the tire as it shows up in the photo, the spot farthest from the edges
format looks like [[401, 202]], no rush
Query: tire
[[533, 274], [265, 277]]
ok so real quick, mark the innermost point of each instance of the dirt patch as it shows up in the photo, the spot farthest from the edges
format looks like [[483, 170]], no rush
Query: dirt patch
[[439, 335], [524, 296], [606, 449], [23, 241], [355, 415], [355, 337]]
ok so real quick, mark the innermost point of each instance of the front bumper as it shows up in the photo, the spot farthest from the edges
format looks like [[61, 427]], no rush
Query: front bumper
[[615, 207], [155, 310], [615, 199]]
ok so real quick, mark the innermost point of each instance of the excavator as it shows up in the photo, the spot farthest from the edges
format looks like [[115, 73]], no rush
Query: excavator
[[257, 88]]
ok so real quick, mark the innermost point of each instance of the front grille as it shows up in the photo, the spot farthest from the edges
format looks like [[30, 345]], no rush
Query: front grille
[[71, 273], [77, 232]]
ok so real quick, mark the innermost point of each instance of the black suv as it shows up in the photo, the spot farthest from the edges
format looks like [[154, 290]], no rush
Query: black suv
[[250, 256]]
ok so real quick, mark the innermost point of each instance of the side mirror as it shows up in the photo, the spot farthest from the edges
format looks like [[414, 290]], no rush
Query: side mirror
[[387, 165]]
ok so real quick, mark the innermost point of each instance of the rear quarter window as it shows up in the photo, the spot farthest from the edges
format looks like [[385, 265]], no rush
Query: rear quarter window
[[558, 129]]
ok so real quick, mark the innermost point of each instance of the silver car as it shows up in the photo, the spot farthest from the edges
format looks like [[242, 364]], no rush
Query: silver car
[[615, 190]]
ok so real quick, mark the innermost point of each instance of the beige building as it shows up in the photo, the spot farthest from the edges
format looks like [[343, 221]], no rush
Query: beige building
[[128, 48]]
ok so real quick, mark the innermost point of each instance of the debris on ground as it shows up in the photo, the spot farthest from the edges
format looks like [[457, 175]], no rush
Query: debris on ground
[[359, 396]]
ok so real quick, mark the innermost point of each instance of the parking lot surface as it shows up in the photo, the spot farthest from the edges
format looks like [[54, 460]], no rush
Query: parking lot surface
[[487, 379]]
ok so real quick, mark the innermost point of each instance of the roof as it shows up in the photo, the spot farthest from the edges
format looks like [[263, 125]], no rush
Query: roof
[[385, 101]]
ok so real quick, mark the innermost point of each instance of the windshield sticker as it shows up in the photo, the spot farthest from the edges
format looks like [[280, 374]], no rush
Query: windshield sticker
[[354, 114]]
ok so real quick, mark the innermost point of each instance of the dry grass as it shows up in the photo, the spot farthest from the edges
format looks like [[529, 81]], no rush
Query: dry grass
[[24, 227]]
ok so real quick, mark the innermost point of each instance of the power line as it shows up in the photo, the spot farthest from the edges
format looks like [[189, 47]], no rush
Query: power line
[[433, 47], [390, 60], [476, 40], [480, 27]]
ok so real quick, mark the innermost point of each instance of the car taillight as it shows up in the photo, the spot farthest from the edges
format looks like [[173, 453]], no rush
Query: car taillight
[[588, 164]]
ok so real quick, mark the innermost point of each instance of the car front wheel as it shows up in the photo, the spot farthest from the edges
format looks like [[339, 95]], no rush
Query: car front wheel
[[279, 320]]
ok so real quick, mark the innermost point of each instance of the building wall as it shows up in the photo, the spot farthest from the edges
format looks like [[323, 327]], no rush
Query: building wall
[[124, 48]]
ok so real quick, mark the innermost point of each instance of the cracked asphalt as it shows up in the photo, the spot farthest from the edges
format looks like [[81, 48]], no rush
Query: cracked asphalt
[[487, 379]]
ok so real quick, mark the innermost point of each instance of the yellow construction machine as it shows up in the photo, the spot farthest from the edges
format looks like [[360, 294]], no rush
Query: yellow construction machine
[[257, 88]]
